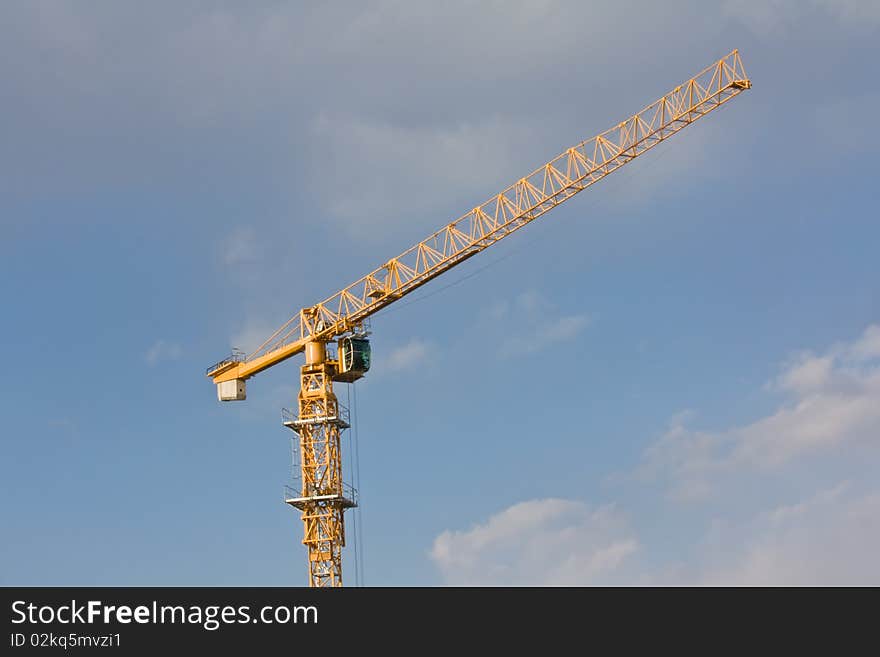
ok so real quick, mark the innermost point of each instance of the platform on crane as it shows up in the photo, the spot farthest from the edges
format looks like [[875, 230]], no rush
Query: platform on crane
[[347, 500]]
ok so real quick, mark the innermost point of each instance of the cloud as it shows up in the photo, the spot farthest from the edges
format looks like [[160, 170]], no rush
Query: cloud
[[397, 172], [406, 357], [866, 347], [394, 173], [851, 12], [832, 538], [807, 375], [834, 400], [531, 324], [558, 329], [774, 510], [252, 334], [773, 16], [162, 350], [538, 542], [405, 98]]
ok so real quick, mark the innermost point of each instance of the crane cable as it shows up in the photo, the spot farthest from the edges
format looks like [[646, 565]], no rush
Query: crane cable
[[359, 528], [351, 477]]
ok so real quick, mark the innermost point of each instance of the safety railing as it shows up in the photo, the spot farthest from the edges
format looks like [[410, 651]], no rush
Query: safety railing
[[292, 417], [294, 492], [237, 356]]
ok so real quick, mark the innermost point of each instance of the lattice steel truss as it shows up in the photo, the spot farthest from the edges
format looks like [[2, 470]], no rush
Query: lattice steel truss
[[322, 498]]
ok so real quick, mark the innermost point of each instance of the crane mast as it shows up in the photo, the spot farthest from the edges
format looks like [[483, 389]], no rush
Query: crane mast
[[320, 419]]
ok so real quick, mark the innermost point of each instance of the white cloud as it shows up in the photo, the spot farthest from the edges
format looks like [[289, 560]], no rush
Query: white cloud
[[834, 400], [807, 375], [162, 350], [405, 357], [832, 538], [531, 324], [750, 529], [548, 333], [252, 334], [867, 347], [538, 542]]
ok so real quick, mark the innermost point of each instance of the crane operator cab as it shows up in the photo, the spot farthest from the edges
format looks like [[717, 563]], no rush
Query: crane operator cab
[[354, 359]]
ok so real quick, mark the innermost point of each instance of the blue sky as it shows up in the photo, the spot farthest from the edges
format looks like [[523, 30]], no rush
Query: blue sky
[[673, 378]]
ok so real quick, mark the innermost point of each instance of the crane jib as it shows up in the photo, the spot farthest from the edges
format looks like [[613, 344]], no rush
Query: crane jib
[[521, 203]]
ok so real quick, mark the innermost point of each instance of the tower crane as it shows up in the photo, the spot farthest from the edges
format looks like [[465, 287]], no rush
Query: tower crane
[[323, 497]]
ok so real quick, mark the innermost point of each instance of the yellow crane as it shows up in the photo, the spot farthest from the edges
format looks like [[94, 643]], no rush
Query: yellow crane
[[323, 496]]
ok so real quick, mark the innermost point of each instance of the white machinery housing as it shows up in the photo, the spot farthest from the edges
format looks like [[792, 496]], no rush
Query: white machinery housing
[[232, 390]]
